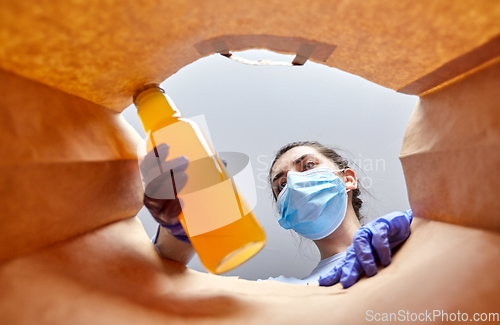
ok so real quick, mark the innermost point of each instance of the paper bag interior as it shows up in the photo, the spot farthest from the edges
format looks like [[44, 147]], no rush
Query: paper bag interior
[[72, 250]]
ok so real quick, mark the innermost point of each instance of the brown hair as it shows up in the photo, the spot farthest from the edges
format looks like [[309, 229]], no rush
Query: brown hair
[[329, 153]]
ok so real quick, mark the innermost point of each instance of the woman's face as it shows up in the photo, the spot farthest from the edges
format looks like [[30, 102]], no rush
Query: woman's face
[[297, 159]]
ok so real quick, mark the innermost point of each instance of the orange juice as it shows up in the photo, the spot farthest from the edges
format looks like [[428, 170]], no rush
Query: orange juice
[[218, 221]]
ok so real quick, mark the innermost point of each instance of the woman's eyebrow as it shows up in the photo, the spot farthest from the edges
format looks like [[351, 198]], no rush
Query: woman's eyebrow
[[278, 175], [295, 162], [299, 160]]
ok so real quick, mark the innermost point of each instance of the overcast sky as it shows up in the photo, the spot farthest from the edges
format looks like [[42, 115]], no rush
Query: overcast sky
[[257, 109]]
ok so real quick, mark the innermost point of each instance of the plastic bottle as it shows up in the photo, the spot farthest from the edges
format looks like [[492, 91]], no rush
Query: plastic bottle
[[219, 223]]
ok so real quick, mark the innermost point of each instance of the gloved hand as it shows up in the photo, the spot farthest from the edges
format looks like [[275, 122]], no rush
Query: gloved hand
[[372, 241], [160, 195], [164, 179]]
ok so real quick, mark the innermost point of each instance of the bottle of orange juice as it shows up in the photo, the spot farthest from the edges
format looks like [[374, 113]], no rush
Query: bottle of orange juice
[[218, 222]]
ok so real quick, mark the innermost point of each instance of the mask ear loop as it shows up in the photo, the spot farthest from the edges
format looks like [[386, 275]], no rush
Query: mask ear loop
[[342, 170], [281, 194]]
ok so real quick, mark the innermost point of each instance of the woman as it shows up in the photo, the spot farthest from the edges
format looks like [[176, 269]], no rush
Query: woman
[[318, 197]]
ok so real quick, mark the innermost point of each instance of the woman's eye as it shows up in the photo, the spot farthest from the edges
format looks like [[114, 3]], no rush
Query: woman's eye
[[308, 165], [281, 185]]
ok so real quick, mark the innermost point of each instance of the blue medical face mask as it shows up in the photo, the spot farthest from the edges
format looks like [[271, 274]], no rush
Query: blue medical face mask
[[313, 203]]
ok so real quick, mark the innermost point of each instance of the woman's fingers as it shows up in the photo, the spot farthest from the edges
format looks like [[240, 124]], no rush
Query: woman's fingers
[[166, 212], [332, 277], [154, 206], [155, 160], [351, 270], [165, 187], [151, 159], [363, 249], [167, 182], [176, 165], [163, 181], [165, 168], [170, 213], [381, 244], [348, 271]]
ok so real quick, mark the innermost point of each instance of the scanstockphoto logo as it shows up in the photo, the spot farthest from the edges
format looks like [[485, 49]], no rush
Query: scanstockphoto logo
[[428, 316], [178, 161]]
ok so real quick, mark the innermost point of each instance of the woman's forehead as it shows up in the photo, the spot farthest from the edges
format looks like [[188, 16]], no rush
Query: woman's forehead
[[285, 162]]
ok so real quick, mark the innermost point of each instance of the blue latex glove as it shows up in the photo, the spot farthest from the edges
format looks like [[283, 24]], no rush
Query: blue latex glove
[[160, 196], [371, 242]]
